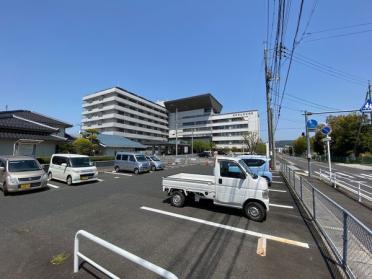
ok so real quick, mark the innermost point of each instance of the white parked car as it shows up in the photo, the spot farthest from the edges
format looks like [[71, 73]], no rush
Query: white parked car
[[72, 168], [232, 185]]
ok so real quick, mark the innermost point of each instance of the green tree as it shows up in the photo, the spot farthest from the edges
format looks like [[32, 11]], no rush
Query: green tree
[[261, 148], [299, 145], [83, 146], [317, 143], [201, 145], [344, 135], [66, 147], [92, 136]]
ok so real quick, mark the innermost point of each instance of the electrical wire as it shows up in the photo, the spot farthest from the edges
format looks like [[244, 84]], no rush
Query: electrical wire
[[338, 36]]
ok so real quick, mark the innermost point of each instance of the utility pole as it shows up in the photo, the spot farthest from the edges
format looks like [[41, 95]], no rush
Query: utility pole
[[192, 142], [176, 133], [369, 93], [268, 111], [308, 152]]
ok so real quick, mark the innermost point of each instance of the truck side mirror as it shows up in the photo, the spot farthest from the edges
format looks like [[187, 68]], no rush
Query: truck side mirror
[[64, 165]]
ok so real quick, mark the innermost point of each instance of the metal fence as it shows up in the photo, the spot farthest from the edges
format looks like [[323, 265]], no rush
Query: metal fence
[[119, 251], [363, 191], [349, 239]]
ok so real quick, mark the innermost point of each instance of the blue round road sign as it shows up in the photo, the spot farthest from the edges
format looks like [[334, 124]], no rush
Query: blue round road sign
[[326, 130], [312, 123]]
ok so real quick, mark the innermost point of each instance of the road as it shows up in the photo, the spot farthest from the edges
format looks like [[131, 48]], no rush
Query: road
[[198, 241], [349, 176]]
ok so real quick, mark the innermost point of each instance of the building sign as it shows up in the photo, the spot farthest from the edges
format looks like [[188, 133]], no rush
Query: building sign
[[243, 114]]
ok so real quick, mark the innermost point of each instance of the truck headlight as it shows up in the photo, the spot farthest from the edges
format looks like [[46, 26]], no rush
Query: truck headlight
[[265, 194], [12, 180]]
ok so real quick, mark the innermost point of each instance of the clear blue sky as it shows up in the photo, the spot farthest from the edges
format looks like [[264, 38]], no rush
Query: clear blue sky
[[54, 52]]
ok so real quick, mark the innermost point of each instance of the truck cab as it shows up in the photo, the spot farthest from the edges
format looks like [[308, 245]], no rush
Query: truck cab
[[232, 185]]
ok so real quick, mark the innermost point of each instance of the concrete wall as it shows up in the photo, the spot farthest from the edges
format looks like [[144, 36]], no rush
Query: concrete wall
[[43, 149]]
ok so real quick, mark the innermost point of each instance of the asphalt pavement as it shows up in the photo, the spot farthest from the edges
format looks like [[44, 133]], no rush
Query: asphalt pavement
[[200, 240]]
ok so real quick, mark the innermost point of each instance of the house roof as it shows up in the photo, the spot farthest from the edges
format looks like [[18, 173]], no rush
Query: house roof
[[36, 117], [118, 141], [194, 102], [9, 122], [20, 135]]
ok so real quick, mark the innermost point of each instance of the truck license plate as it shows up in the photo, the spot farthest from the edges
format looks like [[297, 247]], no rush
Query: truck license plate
[[25, 186]]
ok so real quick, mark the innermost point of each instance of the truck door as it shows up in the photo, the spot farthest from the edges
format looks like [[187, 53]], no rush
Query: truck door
[[230, 183]]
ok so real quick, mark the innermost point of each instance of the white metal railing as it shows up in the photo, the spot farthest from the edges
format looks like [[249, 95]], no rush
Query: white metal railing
[[363, 191], [142, 262]]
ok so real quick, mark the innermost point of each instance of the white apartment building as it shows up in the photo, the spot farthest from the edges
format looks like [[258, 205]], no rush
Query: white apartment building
[[199, 117], [116, 111]]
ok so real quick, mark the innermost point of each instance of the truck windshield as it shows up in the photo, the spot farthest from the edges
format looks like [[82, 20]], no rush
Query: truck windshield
[[246, 168], [80, 162], [141, 158], [23, 165]]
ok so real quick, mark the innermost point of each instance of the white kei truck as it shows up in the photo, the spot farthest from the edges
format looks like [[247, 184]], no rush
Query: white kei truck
[[232, 185]]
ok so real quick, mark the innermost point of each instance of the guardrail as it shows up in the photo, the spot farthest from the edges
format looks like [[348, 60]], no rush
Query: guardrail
[[349, 239], [133, 258], [339, 181]]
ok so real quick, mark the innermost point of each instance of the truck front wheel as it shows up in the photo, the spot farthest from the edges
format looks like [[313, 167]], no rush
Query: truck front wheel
[[255, 211], [178, 199]]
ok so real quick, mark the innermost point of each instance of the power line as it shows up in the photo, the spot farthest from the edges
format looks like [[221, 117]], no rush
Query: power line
[[309, 20], [332, 68], [291, 57], [338, 36], [297, 60], [339, 28]]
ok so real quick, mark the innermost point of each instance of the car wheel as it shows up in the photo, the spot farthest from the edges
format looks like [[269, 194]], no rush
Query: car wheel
[[50, 176], [117, 169], [178, 199], [5, 189], [69, 180], [153, 168], [255, 211], [136, 171]]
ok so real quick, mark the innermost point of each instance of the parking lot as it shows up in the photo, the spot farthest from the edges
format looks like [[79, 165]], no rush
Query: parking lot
[[198, 241]]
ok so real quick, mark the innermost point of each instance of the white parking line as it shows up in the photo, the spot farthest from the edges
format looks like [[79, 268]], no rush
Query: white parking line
[[278, 182], [118, 173], [226, 227], [280, 205], [280, 191], [53, 186], [100, 180], [277, 176], [116, 177]]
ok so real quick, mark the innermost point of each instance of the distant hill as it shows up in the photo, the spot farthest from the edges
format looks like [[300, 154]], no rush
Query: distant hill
[[282, 143]]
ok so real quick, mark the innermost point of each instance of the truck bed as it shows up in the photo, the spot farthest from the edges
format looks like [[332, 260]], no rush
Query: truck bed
[[190, 182]]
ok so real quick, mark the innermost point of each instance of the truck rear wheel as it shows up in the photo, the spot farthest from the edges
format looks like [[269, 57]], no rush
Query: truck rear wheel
[[255, 211], [178, 199]]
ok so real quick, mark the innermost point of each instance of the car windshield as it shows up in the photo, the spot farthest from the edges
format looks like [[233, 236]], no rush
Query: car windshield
[[154, 158], [246, 168], [23, 165], [141, 158], [80, 162]]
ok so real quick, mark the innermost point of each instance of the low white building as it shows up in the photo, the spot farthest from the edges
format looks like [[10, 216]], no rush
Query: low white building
[[116, 111]]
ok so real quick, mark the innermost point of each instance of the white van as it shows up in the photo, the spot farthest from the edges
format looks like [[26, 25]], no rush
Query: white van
[[72, 168]]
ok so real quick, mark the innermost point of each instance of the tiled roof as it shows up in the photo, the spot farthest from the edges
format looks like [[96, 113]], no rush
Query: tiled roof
[[8, 135], [37, 117], [9, 122], [118, 141]]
